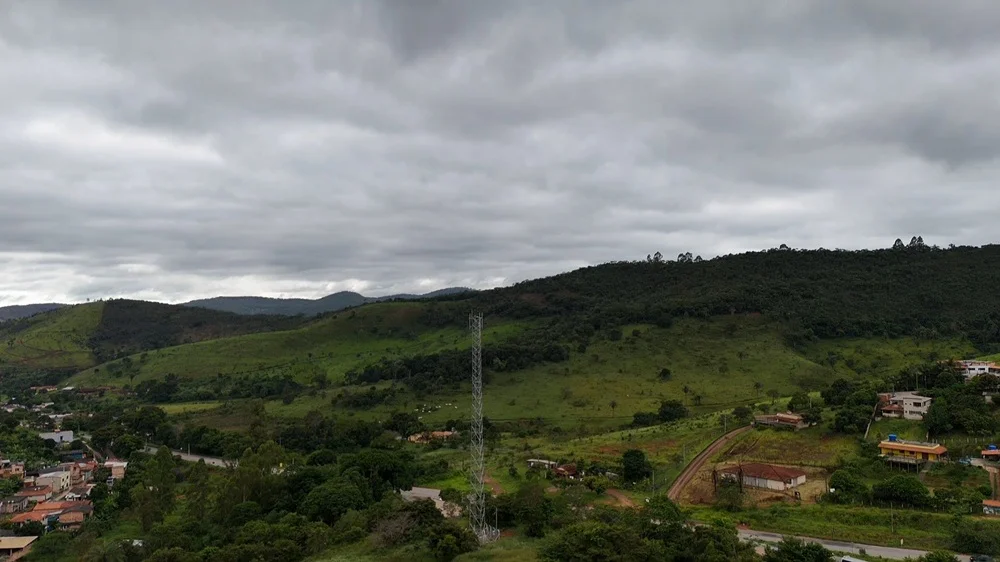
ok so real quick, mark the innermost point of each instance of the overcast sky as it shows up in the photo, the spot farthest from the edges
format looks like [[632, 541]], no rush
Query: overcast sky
[[184, 149]]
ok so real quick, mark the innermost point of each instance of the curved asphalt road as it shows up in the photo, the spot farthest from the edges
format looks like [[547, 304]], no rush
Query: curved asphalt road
[[887, 552]]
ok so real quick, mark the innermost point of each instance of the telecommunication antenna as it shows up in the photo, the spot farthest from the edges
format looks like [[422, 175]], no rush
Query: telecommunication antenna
[[477, 499]]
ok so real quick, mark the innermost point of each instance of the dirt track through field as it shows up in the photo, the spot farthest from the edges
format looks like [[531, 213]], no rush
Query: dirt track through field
[[685, 477], [620, 497]]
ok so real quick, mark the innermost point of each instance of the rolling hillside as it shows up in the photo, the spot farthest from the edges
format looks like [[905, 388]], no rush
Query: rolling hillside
[[569, 345], [331, 345], [58, 339], [79, 336]]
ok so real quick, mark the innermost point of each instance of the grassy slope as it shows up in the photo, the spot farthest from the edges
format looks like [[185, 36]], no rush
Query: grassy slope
[[883, 356], [336, 344], [56, 339], [867, 525], [702, 355], [719, 360]]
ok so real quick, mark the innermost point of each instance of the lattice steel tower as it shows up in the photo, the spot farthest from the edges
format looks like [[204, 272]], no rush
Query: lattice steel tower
[[477, 499]]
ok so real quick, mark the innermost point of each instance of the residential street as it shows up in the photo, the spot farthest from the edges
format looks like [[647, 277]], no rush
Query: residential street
[[211, 461], [843, 547]]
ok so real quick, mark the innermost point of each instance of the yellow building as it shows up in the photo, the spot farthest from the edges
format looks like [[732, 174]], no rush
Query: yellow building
[[911, 451]]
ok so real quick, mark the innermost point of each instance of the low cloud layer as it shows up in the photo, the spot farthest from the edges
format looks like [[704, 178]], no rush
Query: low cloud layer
[[178, 150]]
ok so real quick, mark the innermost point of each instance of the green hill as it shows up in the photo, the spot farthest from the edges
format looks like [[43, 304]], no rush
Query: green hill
[[823, 293], [331, 345], [56, 339], [569, 345], [80, 336]]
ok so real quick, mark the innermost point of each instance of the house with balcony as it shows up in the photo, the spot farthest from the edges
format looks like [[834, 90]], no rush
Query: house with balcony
[[905, 405], [910, 452]]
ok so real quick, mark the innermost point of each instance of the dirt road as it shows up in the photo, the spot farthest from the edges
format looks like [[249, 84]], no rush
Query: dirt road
[[675, 490], [620, 497], [495, 486]]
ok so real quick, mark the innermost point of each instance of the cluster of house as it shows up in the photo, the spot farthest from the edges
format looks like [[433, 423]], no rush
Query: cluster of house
[[972, 368], [94, 392], [57, 496]]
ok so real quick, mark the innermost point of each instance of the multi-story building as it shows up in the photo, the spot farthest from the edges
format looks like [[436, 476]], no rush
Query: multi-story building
[[907, 405], [58, 479]]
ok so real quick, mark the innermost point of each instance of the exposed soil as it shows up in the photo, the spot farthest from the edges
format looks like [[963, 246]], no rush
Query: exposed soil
[[620, 498], [495, 486], [700, 490], [692, 469]]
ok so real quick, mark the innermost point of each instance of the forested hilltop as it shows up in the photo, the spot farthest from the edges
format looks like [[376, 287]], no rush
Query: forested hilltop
[[917, 290], [914, 290]]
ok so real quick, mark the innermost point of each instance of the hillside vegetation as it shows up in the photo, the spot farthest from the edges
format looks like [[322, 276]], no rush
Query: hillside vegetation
[[80, 336], [330, 346], [57, 339], [823, 293]]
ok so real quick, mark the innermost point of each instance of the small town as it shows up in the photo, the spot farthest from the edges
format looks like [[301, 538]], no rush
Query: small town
[[499, 281]]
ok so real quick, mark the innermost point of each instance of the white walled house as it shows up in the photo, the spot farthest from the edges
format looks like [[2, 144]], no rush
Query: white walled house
[[906, 405], [765, 476], [59, 437], [972, 369], [58, 481]]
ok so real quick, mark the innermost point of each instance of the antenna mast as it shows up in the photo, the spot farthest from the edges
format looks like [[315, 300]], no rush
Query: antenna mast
[[477, 499]]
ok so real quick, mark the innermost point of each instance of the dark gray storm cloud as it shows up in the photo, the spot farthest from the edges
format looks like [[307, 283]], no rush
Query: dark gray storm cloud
[[173, 150]]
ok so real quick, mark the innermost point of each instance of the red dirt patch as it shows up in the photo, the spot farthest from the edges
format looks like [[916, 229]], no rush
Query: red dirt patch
[[495, 486], [620, 498]]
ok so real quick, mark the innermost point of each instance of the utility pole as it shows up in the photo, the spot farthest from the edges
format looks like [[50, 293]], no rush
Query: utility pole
[[477, 498]]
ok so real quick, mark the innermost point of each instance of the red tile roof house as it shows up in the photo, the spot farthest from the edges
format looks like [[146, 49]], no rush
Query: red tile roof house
[[566, 471], [69, 515], [766, 476], [991, 507]]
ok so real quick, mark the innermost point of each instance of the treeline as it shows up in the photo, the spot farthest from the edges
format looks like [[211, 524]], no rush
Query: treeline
[[437, 371], [172, 388], [918, 291]]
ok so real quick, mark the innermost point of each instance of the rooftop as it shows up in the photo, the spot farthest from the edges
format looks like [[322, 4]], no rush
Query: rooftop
[[914, 447], [14, 543], [907, 395], [420, 493]]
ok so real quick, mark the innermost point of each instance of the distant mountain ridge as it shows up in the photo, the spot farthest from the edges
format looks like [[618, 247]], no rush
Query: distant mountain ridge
[[16, 311], [258, 305], [308, 307]]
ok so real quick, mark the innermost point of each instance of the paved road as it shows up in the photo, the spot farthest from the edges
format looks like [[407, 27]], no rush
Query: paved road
[[210, 461], [685, 477], [844, 547]]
